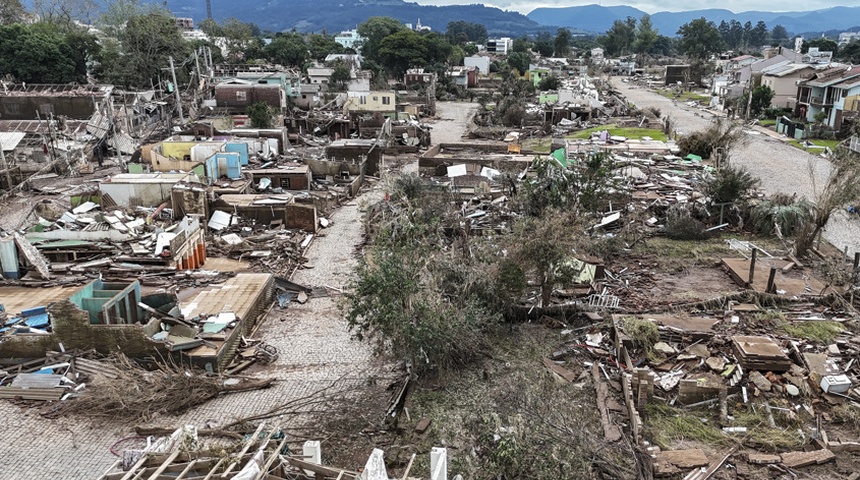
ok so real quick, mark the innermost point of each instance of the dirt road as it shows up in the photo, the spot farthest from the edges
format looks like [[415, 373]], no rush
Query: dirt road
[[780, 166], [454, 117]]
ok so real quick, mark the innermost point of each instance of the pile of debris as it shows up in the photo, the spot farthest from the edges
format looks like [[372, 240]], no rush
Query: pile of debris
[[113, 388], [266, 453], [767, 380]]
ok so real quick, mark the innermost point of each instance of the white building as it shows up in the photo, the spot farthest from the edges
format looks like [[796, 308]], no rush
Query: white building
[[479, 62], [848, 37], [501, 46], [349, 39]]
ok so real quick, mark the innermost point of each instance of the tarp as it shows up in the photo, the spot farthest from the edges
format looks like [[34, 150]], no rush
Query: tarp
[[560, 156]]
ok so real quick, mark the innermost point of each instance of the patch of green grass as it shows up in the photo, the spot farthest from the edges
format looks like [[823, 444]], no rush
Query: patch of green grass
[[767, 123], [831, 144], [643, 333], [538, 145], [631, 133], [816, 331], [668, 426], [761, 435]]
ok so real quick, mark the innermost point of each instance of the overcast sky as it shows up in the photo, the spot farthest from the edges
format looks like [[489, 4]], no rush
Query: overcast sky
[[526, 6]]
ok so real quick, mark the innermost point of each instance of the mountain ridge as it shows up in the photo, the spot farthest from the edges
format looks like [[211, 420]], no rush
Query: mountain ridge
[[598, 19]]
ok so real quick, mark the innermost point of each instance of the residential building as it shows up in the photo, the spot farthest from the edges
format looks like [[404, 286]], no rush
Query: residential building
[[370, 102], [814, 55], [320, 76], [184, 23], [848, 37], [349, 39], [289, 80], [783, 79], [34, 101], [827, 92], [415, 76], [501, 46], [241, 94], [310, 96], [744, 76], [464, 76], [352, 60], [481, 63]]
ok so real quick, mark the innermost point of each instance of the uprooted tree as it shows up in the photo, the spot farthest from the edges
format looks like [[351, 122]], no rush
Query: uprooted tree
[[841, 187]]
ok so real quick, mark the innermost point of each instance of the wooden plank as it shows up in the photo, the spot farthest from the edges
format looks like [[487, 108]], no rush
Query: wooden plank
[[684, 458], [214, 469], [188, 468], [803, 459], [322, 470], [245, 448], [272, 457], [559, 370], [164, 465]]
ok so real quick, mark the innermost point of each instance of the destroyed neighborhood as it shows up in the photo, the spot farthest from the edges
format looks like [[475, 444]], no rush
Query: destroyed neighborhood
[[408, 252]]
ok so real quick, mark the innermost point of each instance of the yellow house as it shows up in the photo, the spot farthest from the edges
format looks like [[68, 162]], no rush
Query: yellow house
[[370, 102]]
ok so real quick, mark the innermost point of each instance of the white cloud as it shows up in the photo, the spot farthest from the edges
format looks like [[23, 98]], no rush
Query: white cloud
[[736, 6]]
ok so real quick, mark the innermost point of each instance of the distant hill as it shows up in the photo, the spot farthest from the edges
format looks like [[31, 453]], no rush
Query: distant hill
[[597, 18], [336, 15]]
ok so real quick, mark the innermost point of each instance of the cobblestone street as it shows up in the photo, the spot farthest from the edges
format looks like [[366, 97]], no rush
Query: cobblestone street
[[313, 341]]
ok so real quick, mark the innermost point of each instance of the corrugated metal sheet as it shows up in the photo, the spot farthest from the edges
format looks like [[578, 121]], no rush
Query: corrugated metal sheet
[[123, 142], [10, 140], [98, 125]]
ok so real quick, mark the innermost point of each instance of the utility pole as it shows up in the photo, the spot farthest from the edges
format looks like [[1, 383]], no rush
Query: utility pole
[[176, 91]]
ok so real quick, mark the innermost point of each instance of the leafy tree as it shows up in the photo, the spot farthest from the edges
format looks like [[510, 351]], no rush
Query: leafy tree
[[779, 33], [519, 61], [11, 11], [118, 13], [562, 42], [210, 27], [620, 37], [38, 54], [401, 51], [550, 82], [238, 35], [322, 46], [144, 45], [438, 50], [261, 115], [700, 39], [759, 35], [761, 98], [289, 50], [663, 45], [341, 75], [850, 52], [521, 45], [374, 29], [461, 32], [544, 44], [646, 36]]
